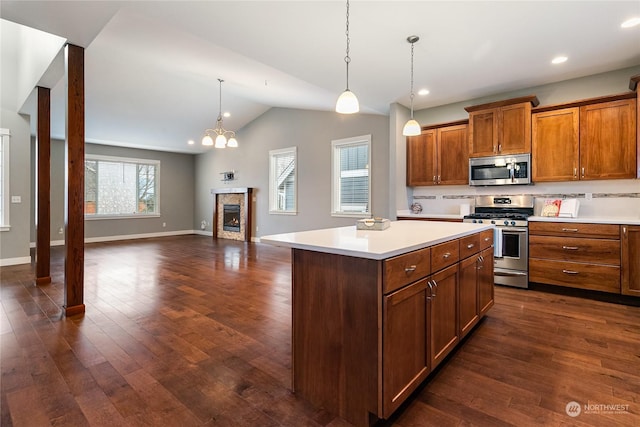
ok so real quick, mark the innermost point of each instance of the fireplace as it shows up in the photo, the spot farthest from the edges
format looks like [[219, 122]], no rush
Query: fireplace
[[232, 212], [231, 218]]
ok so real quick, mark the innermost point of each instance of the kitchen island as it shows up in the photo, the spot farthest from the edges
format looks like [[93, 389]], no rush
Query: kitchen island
[[374, 312]]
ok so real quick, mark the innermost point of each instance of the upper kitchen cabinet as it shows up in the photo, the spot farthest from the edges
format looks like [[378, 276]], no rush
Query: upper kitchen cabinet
[[434, 157], [633, 85], [584, 140], [608, 146], [502, 127], [556, 145]]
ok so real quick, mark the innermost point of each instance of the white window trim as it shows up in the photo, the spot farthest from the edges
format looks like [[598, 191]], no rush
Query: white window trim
[[128, 160], [335, 174], [272, 189], [5, 140]]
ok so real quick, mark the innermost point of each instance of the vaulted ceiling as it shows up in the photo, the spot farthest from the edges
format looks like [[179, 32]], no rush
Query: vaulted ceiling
[[151, 67]]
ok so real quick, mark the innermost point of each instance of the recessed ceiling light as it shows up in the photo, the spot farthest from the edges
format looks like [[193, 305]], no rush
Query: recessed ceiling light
[[191, 142], [630, 23], [227, 114], [559, 60], [423, 92]]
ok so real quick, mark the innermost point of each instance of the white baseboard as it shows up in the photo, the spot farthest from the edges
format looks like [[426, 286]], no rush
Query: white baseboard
[[203, 233], [4, 262]]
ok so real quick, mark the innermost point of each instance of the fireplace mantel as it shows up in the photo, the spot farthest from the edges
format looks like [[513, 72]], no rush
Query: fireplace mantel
[[243, 195]]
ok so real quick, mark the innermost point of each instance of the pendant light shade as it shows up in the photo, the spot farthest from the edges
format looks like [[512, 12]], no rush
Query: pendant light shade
[[412, 127], [347, 102]]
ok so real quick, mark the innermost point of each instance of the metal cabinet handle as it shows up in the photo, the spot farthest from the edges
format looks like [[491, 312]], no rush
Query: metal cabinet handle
[[439, 179], [624, 230], [499, 148], [470, 245], [573, 230], [486, 239], [433, 293], [410, 269], [583, 172], [434, 179], [447, 255], [569, 272], [570, 248], [480, 262], [435, 284], [575, 172]]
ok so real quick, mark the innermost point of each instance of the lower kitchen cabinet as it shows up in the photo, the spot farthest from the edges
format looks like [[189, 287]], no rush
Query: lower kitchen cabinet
[[468, 306], [443, 325], [405, 348], [577, 255], [631, 260], [485, 281]]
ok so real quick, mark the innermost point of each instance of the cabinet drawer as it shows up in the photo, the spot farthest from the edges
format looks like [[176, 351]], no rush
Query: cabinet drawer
[[444, 255], [575, 275], [603, 231], [486, 239], [404, 269], [469, 245], [595, 251]]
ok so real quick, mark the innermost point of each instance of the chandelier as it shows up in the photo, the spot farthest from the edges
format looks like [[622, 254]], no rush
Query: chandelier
[[219, 132]]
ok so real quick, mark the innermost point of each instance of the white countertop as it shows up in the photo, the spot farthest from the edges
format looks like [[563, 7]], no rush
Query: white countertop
[[410, 214], [590, 219], [401, 237]]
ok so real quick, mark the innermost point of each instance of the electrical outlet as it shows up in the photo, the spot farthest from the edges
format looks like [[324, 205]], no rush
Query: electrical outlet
[[60, 230], [439, 197], [16, 199], [164, 224], [588, 196]]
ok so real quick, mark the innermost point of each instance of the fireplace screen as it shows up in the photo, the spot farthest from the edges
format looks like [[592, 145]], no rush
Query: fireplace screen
[[231, 218]]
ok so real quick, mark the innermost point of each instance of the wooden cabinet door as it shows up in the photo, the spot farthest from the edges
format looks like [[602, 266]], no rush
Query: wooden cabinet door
[[631, 260], [514, 124], [485, 281], [555, 145], [608, 146], [483, 132], [453, 155], [468, 311], [421, 159], [443, 314], [405, 352]]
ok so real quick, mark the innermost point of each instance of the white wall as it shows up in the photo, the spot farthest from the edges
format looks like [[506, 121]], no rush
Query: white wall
[[312, 132]]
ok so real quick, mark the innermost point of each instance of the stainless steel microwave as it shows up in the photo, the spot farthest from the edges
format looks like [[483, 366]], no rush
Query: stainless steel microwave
[[500, 170]]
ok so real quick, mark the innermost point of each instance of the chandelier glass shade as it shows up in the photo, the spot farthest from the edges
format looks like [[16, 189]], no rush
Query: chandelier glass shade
[[219, 137], [412, 127], [347, 102]]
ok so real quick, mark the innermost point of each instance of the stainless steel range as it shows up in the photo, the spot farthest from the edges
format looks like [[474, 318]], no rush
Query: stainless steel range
[[511, 243]]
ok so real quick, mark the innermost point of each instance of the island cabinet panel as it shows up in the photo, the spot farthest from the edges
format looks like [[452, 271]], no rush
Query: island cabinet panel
[[485, 281], [405, 352], [631, 260], [336, 333], [367, 332], [468, 307], [404, 269], [443, 325]]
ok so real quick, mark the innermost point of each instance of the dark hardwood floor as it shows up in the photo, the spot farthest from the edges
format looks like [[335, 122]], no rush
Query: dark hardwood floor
[[187, 331]]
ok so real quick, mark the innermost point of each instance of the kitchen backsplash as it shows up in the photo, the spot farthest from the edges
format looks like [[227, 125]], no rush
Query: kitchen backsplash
[[616, 198]]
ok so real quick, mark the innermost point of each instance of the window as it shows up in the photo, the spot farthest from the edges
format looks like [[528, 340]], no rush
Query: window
[[115, 186], [351, 177], [4, 179], [282, 180]]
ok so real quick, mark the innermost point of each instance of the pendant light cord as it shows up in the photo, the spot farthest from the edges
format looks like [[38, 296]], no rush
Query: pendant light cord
[[347, 59], [220, 102], [411, 97]]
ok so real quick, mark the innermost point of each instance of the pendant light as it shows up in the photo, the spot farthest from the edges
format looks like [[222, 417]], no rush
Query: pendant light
[[220, 132], [347, 102], [412, 127]]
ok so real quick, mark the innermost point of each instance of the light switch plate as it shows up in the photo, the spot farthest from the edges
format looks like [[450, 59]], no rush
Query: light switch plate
[[16, 199]]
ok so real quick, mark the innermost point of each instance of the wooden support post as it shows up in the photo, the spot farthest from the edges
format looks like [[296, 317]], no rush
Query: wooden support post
[[74, 191], [43, 188]]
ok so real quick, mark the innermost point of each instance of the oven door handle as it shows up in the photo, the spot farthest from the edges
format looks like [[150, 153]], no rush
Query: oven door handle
[[514, 229], [504, 273]]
